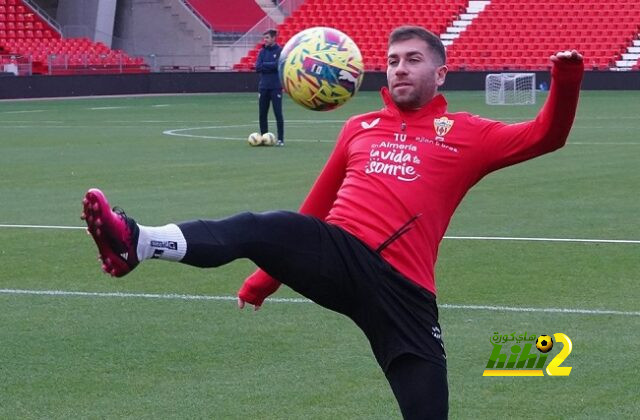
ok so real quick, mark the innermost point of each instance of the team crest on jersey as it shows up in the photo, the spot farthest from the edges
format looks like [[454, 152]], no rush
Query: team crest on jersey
[[442, 125]]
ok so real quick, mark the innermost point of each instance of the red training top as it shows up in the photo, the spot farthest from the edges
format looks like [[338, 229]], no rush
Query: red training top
[[391, 166]]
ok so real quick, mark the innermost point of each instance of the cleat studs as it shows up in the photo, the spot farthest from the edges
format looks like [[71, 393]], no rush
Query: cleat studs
[[98, 222], [96, 206], [98, 232]]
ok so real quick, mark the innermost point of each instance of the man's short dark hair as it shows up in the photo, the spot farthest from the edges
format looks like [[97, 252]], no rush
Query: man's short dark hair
[[404, 33], [271, 32]]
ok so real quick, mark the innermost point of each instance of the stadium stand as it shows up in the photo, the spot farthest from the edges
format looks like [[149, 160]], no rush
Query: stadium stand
[[367, 22], [521, 34], [24, 33], [229, 15], [507, 35], [516, 35]]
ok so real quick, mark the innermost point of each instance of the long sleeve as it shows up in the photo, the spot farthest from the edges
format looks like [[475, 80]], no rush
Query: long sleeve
[[267, 61], [259, 61], [259, 285], [508, 144], [269, 64]]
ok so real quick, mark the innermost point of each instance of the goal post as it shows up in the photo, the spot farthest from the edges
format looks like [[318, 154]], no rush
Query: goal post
[[510, 89]]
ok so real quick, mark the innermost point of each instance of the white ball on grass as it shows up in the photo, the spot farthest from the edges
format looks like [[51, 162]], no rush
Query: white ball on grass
[[268, 139], [255, 139]]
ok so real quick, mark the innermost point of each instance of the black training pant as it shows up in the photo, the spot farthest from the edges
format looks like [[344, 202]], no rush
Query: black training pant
[[334, 269], [273, 96]]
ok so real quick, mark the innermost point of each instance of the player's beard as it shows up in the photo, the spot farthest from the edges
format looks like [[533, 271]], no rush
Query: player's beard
[[415, 98]]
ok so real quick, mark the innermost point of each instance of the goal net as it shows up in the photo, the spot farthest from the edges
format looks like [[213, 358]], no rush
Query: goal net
[[510, 89]]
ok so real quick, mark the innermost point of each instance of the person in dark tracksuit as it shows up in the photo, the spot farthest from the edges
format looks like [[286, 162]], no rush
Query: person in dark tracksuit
[[269, 87]]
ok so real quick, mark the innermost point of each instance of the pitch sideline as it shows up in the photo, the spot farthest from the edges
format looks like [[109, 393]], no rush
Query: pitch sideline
[[171, 296], [466, 238]]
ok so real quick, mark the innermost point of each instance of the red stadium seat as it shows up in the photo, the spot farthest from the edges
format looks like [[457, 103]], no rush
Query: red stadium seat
[[523, 27], [34, 37], [368, 24]]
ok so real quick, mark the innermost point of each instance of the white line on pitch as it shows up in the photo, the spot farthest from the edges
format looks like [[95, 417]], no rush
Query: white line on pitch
[[42, 227], [179, 132], [101, 108], [467, 238], [506, 238], [306, 121], [549, 310], [173, 296], [580, 143]]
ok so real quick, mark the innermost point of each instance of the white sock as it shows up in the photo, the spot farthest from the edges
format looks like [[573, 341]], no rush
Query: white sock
[[163, 242]]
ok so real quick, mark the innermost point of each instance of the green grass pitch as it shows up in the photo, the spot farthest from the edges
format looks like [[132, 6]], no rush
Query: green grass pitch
[[133, 357]]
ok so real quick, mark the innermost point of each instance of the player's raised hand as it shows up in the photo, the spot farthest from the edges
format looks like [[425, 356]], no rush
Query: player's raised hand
[[572, 56]]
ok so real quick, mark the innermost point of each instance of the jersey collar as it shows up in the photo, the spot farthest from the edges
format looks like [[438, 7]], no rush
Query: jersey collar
[[438, 106]]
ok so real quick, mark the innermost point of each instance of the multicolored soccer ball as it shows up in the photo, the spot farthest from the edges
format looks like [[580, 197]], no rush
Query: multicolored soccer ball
[[321, 68], [544, 343]]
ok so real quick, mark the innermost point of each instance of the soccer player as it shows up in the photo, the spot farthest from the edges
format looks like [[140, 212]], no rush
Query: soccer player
[[269, 88], [365, 240]]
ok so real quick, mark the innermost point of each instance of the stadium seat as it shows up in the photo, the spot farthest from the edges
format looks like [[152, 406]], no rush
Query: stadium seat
[[364, 21], [34, 37], [524, 27]]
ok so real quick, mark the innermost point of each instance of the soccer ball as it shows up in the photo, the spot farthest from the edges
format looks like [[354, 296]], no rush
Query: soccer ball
[[255, 139], [268, 139], [544, 343], [321, 68]]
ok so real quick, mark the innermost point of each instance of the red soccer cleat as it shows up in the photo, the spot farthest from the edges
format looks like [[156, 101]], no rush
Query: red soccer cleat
[[115, 234]]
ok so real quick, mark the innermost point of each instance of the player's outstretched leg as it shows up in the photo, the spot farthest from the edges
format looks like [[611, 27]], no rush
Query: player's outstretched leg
[[115, 234]]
